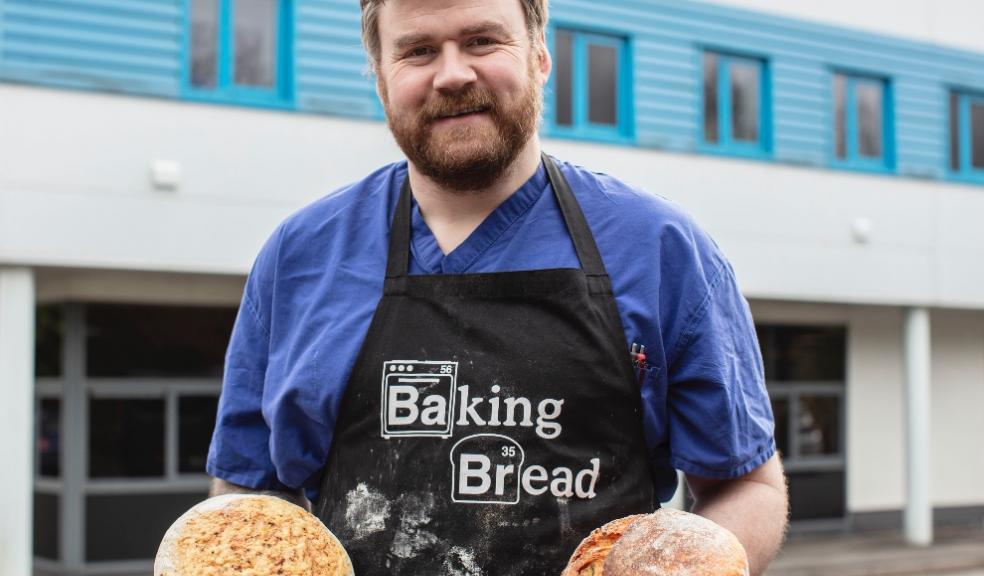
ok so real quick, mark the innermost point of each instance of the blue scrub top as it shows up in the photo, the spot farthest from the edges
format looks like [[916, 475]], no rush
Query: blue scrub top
[[313, 289]]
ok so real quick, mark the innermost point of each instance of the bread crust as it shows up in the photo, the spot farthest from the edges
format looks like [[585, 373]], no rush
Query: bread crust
[[678, 543], [250, 535], [589, 557]]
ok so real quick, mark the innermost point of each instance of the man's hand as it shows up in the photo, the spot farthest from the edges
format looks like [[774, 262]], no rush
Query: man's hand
[[220, 486], [755, 507]]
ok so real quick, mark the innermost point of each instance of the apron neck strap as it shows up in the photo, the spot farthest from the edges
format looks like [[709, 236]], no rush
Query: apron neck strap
[[398, 260]]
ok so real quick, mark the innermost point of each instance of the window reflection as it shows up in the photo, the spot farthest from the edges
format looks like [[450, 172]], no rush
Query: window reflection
[[196, 421], [954, 132], [745, 99], [780, 411], [840, 116], [49, 437], [711, 133], [602, 93], [204, 42], [819, 423], [255, 42], [563, 80], [869, 97], [126, 438], [977, 134], [156, 341]]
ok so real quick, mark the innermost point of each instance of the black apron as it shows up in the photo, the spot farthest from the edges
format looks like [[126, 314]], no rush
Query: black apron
[[491, 420]]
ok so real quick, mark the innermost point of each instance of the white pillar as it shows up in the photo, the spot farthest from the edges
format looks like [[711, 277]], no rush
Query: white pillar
[[16, 419], [678, 501], [919, 506]]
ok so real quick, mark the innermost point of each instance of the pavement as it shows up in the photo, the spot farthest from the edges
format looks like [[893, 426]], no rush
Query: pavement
[[954, 552]]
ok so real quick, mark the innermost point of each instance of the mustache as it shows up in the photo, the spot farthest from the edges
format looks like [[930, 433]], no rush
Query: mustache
[[471, 100]]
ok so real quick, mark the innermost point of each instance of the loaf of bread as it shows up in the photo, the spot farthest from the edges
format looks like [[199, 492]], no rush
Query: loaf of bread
[[589, 557], [666, 543], [250, 535]]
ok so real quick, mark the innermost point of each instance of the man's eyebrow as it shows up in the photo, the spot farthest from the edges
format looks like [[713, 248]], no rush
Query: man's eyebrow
[[414, 39], [494, 28]]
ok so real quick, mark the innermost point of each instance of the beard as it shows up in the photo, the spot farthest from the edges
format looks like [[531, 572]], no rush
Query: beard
[[473, 155]]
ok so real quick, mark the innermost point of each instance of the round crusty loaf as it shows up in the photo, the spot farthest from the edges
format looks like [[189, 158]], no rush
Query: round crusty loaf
[[667, 542], [250, 535], [589, 557], [678, 543]]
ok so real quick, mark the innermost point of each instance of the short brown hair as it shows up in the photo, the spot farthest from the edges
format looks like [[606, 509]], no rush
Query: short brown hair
[[536, 13]]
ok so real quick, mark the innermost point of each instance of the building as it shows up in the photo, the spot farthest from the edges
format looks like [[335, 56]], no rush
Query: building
[[148, 147]]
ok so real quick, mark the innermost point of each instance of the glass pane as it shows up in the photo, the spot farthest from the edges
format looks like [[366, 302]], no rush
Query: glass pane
[[196, 420], [744, 101], [977, 134], [602, 82], [803, 353], [126, 438], [564, 80], [49, 327], [840, 116], [819, 425], [113, 531], [204, 42], [869, 96], [49, 437], [157, 341], [255, 23], [954, 132], [780, 410], [711, 133], [46, 541], [816, 495]]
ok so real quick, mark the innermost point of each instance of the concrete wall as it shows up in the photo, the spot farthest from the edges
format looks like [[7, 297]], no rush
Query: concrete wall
[[955, 23], [75, 192]]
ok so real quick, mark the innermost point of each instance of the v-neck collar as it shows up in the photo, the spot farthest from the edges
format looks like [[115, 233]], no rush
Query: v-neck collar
[[427, 253]]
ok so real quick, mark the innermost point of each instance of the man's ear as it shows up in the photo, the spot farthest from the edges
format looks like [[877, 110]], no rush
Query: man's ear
[[380, 85], [544, 60]]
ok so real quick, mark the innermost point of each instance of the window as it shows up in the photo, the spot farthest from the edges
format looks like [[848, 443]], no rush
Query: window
[[805, 372], [967, 135], [236, 50], [862, 122], [735, 104], [592, 85]]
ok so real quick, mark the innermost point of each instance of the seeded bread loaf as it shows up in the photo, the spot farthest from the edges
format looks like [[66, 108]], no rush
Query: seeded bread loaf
[[250, 535], [666, 543]]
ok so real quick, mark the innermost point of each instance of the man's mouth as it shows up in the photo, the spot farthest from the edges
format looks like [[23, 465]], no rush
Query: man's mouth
[[465, 112]]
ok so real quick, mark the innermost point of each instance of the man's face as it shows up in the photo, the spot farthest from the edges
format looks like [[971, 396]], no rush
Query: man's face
[[461, 84]]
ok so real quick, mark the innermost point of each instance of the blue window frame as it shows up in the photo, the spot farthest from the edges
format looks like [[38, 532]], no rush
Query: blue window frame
[[237, 51], [736, 105], [592, 86], [863, 133], [967, 136]]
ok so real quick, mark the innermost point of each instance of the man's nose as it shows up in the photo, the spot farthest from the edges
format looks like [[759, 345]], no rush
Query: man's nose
[[455, 71]]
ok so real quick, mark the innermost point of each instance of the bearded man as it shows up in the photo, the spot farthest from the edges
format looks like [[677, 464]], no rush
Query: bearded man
[[439, 354]]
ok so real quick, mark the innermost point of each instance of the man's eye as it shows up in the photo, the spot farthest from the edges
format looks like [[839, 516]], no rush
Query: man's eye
[[483, 42], [419, 51]]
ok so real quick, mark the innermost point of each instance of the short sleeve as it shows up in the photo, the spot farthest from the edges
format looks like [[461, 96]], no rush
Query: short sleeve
[[720, 418], [240, 448]]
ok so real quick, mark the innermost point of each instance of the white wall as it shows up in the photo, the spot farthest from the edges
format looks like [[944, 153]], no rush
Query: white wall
[[876, 411], [75, 192], [957, 440], [876, 395], [954, 23]]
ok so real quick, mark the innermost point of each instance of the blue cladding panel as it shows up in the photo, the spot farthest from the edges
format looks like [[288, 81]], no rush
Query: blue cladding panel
[[136, 46], [669, 35], [131, 46], [331, 73]]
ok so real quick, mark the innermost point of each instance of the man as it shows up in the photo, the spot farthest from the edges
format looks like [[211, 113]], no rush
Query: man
[[439, 354]]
